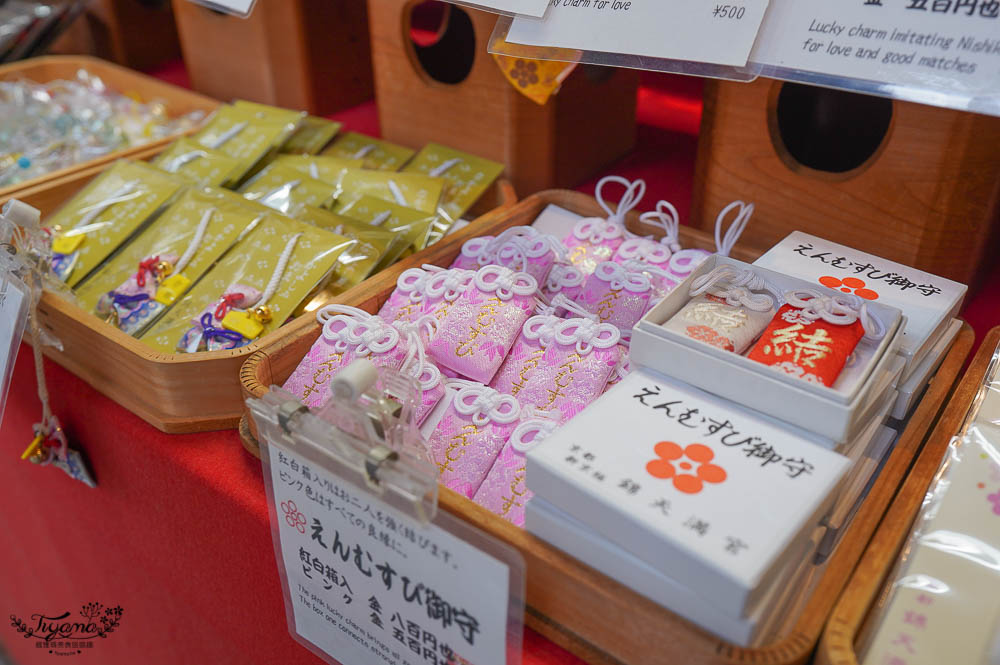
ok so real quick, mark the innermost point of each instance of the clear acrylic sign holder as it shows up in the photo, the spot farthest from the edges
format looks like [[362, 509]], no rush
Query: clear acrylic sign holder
[[19, 289], [358, 463]]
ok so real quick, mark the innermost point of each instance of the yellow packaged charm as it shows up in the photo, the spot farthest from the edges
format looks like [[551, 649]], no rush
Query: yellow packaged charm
[[67, 244], [171, 289], [243, 323]]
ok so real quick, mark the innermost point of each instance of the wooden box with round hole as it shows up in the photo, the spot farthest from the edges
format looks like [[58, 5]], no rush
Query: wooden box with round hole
[[912, 183], [308, 55], [453, 92]]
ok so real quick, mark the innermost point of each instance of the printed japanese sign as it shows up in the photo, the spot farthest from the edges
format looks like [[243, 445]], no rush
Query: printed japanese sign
[[938, 46], [366, 583]]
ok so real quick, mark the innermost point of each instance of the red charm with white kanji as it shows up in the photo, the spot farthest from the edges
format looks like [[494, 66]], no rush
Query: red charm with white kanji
[[813, 350]]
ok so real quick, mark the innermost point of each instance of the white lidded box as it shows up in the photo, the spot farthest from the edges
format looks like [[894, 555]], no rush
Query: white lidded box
[[834, 412], [574, 537], [928, 302], [913, 386], [696, 487]]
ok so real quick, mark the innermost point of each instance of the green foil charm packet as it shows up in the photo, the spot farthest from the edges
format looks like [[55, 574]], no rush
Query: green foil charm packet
[[373, 246], [240, 133], [105, 214], [268, 112], [468, 179], [412, 190], [414, 226], [312, 136], [252, 290], [283, 188], [330, 170], [377, 154], [199, 165], [154, 270]]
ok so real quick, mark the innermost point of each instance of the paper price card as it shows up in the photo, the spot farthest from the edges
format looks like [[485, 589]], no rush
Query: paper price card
[[526, 7], [717, 32], [367, 583], [911, 49]]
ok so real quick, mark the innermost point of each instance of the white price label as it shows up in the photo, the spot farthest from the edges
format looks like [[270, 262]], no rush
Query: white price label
[[525, 7], [711, 32], [368, 584], [950, 46]]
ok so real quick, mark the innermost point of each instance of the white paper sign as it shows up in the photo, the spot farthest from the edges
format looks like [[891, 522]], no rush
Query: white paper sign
[[718, 32], [238, 7], [526, 7], [368, 584], [947, 45], [13, 315]]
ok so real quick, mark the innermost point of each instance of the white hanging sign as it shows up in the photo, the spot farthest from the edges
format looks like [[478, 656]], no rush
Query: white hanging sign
[[366, 583], [720, 33], [942, 52], [526, 7]]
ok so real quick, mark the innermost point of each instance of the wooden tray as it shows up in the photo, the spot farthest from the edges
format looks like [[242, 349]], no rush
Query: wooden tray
[[573, 605], [864, 587], [55, 67], [176, 392]]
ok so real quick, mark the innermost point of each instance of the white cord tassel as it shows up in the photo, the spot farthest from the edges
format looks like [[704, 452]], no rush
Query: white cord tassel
[[199, 235], [724, 243], [279, 270], [226, 136]]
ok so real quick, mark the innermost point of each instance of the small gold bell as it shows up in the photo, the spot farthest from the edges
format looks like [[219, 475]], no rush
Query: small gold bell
[[164, 268], [262, 313]]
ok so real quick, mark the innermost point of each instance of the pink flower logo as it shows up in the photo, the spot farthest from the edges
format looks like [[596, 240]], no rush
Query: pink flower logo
[[293, 517]]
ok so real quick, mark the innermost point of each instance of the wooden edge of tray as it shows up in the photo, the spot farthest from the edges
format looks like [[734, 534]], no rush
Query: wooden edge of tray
[[865, 586], [48, 68], [166, 405]]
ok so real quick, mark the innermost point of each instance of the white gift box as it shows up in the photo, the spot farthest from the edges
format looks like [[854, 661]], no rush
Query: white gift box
[[928, 302], [835, 412], [913, 386], [744, 489], [575, 538]]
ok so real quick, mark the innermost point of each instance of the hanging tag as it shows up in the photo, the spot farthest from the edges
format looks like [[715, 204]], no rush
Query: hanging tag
[[244, 323], [171, 289], [57, 453], [67, 244], [371, 571]]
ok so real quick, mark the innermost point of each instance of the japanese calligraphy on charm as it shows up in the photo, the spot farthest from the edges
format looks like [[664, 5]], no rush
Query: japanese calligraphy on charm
[[699, 489], [367, 584]]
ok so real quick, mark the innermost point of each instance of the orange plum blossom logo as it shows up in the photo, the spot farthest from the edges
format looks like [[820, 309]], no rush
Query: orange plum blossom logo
[[689, 468]]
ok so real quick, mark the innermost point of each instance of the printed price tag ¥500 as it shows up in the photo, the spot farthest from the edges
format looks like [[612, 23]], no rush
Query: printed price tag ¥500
[[720, 33]]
